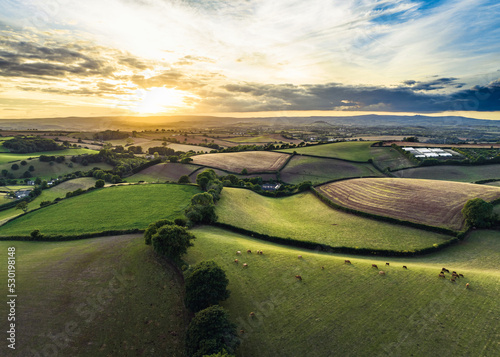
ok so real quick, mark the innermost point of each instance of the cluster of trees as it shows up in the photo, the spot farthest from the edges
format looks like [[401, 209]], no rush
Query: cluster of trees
[[110, 135], [106, 176], [47, 158], [202, 208], [479, 213], [31, 144], [255, 184]]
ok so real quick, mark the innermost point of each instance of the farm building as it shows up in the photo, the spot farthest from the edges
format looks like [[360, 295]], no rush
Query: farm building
[[428, 152], [271, 186], [22, 194]]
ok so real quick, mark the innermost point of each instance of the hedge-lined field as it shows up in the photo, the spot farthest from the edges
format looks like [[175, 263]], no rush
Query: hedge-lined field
[[429, 202], [253, 161], [318, 170], [351, 150], [112, 208], [7, 157], [163, 172], [351, 310], [386, 157], [452, 173], [305, 217], [112, 291]]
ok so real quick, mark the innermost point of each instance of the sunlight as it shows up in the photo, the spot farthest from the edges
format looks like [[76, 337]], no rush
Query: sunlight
[[157, 100]]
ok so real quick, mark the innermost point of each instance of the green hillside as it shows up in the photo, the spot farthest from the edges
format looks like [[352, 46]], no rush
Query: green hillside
[[351, 150]]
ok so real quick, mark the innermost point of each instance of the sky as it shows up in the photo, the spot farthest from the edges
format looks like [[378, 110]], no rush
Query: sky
[[63, 58]]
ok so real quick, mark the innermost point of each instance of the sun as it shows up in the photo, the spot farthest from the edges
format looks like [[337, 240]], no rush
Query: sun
[[158, 100]]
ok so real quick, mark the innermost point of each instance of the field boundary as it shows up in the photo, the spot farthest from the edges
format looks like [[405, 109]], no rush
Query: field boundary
[[340, 249], [60, 238]]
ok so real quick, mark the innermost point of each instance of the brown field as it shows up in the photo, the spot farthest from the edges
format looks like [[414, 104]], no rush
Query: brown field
[[253, 161], [163, 172], [429, 202], [477, 146]]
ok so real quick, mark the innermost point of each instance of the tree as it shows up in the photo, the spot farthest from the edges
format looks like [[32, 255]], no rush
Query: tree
[[22, 205], [24, 163], [477, 212], [26, 174], [211, 332], [206, 285], [184, 179], [153, 228], [15, 167], [186, 160], [172, 241], [244, 172], [304, 186], [99, 183], [32, 168], [204, 178], [202, 209]]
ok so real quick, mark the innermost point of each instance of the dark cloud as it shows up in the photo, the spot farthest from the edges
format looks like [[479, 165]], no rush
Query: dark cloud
[[439, 83]]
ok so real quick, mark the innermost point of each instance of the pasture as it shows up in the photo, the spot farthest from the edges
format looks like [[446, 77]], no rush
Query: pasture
[[349, 150], [10, 157], [319, 170], [351, 310], [111, 208], [253, 161], [305, 217], [117, 297], [459, 173], [385, 157], [429, 202], [163, 172]]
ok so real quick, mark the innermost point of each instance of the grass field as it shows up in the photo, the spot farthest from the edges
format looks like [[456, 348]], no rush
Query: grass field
[[385, 157], [305, 217], [8, 157], [434, 203], [319, 170], [46, 171], [351, 150], [453, 173], [494, 183], [253, 161], [163, 172], [259, 139], [350, 310], [116, 296], [119, 207]]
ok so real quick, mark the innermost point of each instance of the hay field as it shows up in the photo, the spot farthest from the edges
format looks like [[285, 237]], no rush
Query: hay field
[[253, 161]]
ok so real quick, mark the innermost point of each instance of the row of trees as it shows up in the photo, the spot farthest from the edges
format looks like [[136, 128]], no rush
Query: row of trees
[[25, 144]]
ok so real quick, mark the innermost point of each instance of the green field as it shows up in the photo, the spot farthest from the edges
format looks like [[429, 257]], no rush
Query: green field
[[8, 157], [319, 170], [453, 173], [252, 139], [352, 150], [163, 172], [350, 310], [305, 217], [113, 208], [386, 157], [116, 296]]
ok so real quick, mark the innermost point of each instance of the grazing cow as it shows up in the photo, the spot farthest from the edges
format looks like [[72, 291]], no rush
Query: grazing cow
[[236, 261], [322, 268], [452, 280], [238, 252], [467, 285], [245, 265], [252, 314], [249, 251], [300, 256], [374, 266], [404, 267], [381, 272], [461, 275], [387, 264], [347, 261], [298, 277], [454, 272], [242, 331], [260, 252], [441, 275]]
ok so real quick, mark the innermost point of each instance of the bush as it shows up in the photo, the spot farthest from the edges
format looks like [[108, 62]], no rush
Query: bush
[[172, 241], [477, 212], [153, 228], [202, 209], [206, 285], [15, 167], [211, 332], [184, 179], [99, 183]]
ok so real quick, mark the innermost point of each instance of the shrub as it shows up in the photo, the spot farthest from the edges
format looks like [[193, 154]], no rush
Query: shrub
[[184, 179], [172, 241], [15, 167], [477, 212], [99, 183], [206, 285], [153, 228]]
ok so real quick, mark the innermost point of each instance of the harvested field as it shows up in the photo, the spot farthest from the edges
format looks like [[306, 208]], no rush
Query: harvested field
[[429, 202], [253, 161], [319, 170], [452, 173], [163, 172]]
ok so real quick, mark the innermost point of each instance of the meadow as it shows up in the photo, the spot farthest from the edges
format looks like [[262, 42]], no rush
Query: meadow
[[433, 203], [352, 310], [305, 217], [253, 161], [110, 208], [452, 173], [385, 157], [10, 157], [163, 172], [350, 150], [319, 170], [115, 295]]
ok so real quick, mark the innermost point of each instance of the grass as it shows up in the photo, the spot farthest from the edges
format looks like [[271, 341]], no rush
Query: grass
[[118, 297], [254, 139], [433, 203], [350, 309], [253, 161], [10, 157], [305, 217], [163, 172], [351, 150], [385, 157], [319, 170], [113, 208], [453, 173]]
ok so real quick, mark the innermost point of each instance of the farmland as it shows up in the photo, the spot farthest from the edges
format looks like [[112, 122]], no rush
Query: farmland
[[253, 161], [305, 217], [109, 288], [385, 157], [163, 172], [318, 170], [453, 173], [350, 309], [9, 157], [113, 208], [433, 203], [352, 150]]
